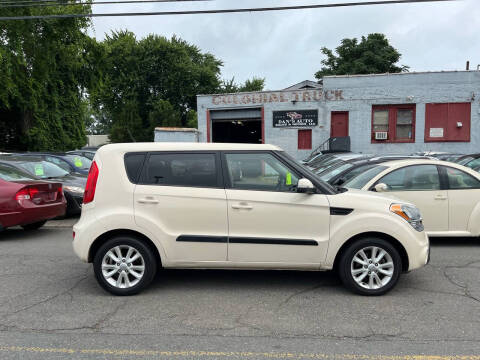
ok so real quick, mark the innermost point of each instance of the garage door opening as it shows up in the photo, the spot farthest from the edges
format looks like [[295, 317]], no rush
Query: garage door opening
[[237, 131], [236, 126]]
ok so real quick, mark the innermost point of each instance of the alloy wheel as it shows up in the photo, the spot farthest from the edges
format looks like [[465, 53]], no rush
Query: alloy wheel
[[372, 267], [123, 266]]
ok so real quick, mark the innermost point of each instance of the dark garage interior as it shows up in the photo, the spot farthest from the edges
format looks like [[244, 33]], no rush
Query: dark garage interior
[[237, 131]]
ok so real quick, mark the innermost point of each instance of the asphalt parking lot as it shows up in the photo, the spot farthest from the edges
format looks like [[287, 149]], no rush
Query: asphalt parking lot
[[52, 308]]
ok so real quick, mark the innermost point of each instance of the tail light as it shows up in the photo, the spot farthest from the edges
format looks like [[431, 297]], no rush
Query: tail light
[[26, 194], [59, 192], [89, 193]]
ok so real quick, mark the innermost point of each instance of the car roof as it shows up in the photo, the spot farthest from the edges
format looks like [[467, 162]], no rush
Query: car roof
[[401, 163], [19, 158], [182, 146]]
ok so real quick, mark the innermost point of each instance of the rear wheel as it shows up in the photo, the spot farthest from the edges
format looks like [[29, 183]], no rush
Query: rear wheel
[[124, 265], [370, 266], [34, 226]]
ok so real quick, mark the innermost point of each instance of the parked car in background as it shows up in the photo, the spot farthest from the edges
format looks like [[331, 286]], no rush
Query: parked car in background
[[338, 175], [320, 166], [27, 202], [447, 194], [280, 216], [449, 157], [72, 163], [73, 184], [89, 154], [320, 157], [472, 161]]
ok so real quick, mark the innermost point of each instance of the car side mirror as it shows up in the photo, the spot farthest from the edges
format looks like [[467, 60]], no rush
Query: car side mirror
[[305, 186], [381, 187], [339, 182]]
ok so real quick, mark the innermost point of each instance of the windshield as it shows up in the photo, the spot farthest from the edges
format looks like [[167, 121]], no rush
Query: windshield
[[9, 173], [334, 172], [361, 180], [465, 160], [43, 169], [80, 162]]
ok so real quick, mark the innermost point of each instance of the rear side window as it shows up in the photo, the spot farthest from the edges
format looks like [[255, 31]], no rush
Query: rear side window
[[133, 165], [458, 179], [195, 170]]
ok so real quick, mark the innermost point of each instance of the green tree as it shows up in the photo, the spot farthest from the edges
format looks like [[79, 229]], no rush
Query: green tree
[[149, 82], [229, 86], [372, 55], [43, 79]]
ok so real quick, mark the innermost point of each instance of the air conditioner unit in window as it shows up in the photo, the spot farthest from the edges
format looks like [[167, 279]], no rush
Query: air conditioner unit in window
[[381, 135]]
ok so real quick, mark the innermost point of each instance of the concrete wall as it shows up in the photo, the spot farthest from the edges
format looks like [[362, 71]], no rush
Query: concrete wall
[[357, 94], [97, 140], [175, 136]]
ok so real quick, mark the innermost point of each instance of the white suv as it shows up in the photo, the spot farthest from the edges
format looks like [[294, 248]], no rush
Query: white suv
[[236, 206]]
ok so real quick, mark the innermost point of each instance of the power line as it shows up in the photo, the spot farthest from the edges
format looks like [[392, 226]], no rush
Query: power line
[[220, 11], [54, 3]]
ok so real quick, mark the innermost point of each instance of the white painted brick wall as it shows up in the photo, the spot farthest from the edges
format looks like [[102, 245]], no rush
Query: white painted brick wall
[[360, 93]]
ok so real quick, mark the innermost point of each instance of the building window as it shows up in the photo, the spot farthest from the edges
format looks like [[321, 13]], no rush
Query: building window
[[305, 139], [393, 123], [447, 122]]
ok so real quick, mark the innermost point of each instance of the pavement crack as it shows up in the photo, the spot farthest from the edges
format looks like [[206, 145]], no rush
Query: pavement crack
[[98, 325], [465, 288], [297, 293], [50, 298]]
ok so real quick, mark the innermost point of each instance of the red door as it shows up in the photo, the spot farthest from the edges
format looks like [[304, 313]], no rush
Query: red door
[[339, 124]]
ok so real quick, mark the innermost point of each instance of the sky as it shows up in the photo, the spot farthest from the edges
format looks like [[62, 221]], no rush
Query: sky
[[284, 46]]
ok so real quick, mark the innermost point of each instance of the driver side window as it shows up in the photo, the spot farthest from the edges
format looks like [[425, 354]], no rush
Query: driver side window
[[413, 178], [259, 171]]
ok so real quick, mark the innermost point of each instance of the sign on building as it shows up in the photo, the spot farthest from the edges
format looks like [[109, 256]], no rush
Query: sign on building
[[295, 118]]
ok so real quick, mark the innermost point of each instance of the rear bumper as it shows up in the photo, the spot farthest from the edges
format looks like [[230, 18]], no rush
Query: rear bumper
[[32, 215]]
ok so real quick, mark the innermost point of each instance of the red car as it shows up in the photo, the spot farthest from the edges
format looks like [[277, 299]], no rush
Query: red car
[[28, 202]]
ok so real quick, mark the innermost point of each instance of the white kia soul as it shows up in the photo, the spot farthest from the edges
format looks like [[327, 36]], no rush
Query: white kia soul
[[236, 206]]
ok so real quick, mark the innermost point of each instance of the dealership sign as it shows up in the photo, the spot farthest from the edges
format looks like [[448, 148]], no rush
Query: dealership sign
[[295, 118], [278, 97]]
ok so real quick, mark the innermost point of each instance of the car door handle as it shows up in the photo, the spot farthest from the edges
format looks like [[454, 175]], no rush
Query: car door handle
[[147, 201], [440, 197], [243, 206]]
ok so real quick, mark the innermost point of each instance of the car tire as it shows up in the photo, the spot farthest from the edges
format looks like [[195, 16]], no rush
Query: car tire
[[364, 272], [137, 258], [34, 226]]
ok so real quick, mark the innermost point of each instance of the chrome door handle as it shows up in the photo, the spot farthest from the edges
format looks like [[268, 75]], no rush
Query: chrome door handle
[[440, 197], [244, 206], [147, 201]]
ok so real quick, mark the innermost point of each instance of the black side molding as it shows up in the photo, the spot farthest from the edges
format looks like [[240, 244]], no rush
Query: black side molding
[[248, 240], [245, 240], [202, 238], [340, 211]]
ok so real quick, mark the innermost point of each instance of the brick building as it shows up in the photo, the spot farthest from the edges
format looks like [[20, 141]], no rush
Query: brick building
[[382, 114]]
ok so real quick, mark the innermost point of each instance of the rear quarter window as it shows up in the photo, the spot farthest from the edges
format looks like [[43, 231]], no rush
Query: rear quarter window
[[176, 169], [133, 165]]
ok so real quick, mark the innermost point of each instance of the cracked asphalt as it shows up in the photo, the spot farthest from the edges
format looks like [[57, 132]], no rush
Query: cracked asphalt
[[52, 308]]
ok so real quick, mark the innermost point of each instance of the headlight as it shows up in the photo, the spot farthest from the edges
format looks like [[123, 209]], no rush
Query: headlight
[[409, 213], [75, 189]]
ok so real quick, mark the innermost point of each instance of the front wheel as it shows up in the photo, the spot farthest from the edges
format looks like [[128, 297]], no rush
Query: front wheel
[[124, 265], [370, 266]]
